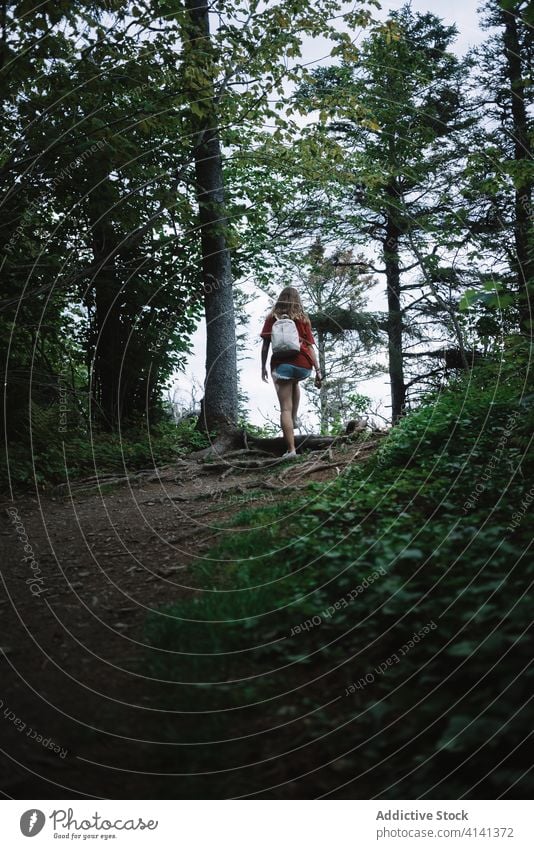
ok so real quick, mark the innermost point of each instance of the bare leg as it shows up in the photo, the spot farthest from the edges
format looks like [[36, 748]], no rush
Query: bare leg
[[284, 390], [296, 400]]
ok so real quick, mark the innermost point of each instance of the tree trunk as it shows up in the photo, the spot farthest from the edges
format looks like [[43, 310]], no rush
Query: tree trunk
[[309, 442], [394, 324], [323, 392], [219, 409], [107, 332], [522, 153]]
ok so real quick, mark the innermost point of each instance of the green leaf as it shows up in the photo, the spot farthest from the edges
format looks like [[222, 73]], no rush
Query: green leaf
[[462, 649]]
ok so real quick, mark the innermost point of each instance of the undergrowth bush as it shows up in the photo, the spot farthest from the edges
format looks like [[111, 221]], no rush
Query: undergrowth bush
[[43, 454]]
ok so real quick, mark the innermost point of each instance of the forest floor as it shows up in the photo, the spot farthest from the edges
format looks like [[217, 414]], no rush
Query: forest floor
[[78, 716]]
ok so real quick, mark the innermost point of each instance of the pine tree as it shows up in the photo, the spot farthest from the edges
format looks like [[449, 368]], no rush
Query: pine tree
[[399, 114], [505, 62], [334, 291]]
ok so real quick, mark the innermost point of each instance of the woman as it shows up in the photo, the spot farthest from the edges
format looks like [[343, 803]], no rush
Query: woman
[[286, 369]]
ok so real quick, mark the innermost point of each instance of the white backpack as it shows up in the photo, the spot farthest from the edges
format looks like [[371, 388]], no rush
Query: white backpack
[[285, 336]]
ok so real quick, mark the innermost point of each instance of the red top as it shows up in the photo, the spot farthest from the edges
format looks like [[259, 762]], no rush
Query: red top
[[302, 359]]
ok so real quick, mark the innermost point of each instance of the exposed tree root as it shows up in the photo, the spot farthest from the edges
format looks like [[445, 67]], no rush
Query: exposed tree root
[[238, 442], [237, 453]]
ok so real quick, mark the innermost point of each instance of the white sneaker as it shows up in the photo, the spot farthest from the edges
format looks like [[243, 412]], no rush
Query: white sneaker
[[288, 455]]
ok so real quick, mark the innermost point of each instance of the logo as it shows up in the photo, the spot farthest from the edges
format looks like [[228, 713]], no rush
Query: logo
[[31, 822]]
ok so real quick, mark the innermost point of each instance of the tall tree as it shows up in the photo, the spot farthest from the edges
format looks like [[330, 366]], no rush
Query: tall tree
[[103, 182], [334, 291], [97, 175], [220, 404], [399, 115], [232, 77]]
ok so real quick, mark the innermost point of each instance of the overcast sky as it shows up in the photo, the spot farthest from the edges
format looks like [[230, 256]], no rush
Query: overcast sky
[[262, 396]]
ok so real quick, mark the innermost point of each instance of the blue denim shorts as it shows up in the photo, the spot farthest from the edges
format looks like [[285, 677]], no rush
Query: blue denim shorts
[[285, 371]]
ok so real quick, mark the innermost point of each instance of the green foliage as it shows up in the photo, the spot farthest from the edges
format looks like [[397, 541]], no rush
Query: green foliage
[[437, 427], [356, 405], [264, 431], [380, 617], [50, 452], [492, 296], [97, 265]]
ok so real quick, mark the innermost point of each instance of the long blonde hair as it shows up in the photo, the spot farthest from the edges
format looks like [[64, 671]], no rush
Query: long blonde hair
[[289, 303]]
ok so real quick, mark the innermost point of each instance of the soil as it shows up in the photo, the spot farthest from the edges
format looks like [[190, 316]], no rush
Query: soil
[[78, 718]]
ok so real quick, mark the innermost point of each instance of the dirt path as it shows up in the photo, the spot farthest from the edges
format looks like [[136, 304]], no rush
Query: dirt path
[[80, 572]]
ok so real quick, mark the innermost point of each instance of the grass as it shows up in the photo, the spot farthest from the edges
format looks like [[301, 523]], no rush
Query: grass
[[432, 516]]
